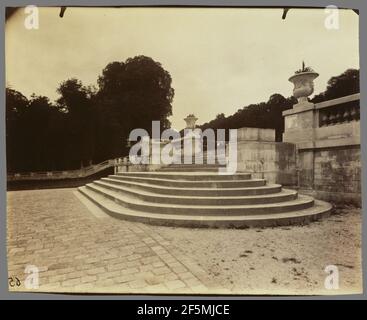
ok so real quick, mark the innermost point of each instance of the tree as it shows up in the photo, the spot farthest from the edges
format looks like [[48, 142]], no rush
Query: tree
[[35, 130], [76, 102], [262, 115], [36, 135], [16, 106], [86, 125], [131, 95], [342, 85], [269, 114]]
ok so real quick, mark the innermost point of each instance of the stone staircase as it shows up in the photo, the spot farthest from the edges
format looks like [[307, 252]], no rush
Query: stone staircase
[[196, 196]]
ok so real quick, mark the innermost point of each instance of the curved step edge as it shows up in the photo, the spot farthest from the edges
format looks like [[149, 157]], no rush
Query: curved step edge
[[300, 203], [320, 210], [284, 195], [199, 183], [187, 191], [187, 175]]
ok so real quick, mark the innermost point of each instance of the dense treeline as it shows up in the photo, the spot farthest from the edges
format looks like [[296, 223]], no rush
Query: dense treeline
[[261, 115], [86, 125], [269, 114]]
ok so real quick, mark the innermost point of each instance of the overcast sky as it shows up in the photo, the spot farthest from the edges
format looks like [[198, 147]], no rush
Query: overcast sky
[[220, 59]]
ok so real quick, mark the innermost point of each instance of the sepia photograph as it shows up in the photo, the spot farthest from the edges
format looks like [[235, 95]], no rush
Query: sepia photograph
[[183, 150]]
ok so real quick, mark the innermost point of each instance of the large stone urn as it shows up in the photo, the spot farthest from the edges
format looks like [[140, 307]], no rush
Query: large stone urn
[[303, 84], [192, 137], [190, 121]]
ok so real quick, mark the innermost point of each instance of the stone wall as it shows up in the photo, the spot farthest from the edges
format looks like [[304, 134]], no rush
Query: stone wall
[[328, 155], [137, 167], [338, 170], [258, 153]]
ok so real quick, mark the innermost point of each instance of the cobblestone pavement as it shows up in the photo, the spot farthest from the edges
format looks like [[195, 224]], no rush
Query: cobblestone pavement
[[76, 250], [80, 249]]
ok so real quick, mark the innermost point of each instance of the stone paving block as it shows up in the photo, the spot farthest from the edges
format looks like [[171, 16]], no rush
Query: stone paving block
[[158, 264], [170, 276], [150, 278], [133, 264], [85, 287], [84, 253], [92, 260], [143, 250], [123, 278], [148, 241], [179, 269], [130, 271], [109, 274], [199, 289], [57, 278], [116, 266], [137, 284], [186, 275], [174, 284], [14, 251], [193, 282], [156, 288], [134, 257], [185, 290], [104, 283], [161, 270], [167, 258], [81, 256], [147, 267], [74, 274], [65, 270], [109, 257], [59, 266], [71, 282], [88, 279], [95, 271], [49, 286]]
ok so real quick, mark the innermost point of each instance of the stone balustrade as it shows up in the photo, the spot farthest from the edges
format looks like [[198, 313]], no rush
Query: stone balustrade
[[339, 113], [59, 175], [327, 139]]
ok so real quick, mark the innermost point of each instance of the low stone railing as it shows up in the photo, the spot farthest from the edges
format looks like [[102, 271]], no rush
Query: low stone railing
[[65, 174], [327, 137], [331, 123], [339, 111]]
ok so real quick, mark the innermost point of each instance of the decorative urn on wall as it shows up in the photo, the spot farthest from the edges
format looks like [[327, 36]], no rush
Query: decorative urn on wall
[[303, 83], [190, 121], [193, 136]]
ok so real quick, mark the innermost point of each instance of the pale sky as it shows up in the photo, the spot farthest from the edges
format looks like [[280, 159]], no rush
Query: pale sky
[[220, 59]]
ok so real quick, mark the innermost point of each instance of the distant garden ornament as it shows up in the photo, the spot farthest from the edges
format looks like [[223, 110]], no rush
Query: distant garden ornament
[[190, 121], [303, 83]]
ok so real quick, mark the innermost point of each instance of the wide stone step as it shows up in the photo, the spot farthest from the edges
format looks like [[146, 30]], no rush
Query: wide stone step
[[284, 195], [190, 168], [178, 183], [187, 170], [202, 160], [197, 191], [320, 209], [302, 202], [187, 176], [192, 165]]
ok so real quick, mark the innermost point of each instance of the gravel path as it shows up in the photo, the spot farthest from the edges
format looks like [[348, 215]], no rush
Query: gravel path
[[283, 260]]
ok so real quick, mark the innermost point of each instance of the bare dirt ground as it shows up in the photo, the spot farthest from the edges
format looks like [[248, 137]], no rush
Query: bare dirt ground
[[282, 260], [79, 250]]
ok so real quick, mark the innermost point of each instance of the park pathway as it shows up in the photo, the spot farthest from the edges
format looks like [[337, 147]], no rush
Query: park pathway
[[81, 249]]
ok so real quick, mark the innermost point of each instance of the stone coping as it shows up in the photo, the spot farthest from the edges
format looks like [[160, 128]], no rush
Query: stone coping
[[316, 106], [321, 144], [329, 103]]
